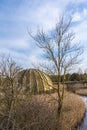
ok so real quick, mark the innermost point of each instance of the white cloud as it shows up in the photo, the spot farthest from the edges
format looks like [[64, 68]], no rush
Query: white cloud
[[47, 16], [81, 31], [42, 15], [80, 15], [76, 17], [14, 43], [23, 54], [79, 1]]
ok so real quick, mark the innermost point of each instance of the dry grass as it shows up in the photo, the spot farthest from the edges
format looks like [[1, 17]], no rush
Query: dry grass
[[82, 92], [41, 113], [73, 111], [55, 86]]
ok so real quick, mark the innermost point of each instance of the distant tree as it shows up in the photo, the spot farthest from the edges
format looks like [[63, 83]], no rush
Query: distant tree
[[80, 71], [85, 71], [54, 78], [67, 77], [85, 75], [60, 51], [75, 77]]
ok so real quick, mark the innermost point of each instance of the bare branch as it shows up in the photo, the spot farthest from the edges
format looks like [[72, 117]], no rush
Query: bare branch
[[59, 50]]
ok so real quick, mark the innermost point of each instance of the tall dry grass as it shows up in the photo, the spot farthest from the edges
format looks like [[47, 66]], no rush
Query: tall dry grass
[[82, 92], [40, 113]]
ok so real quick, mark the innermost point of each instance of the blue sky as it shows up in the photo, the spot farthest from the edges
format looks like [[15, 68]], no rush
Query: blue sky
[[18, 15]]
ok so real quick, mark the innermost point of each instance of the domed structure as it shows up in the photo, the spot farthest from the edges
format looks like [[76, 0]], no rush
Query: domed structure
[[34, 81]]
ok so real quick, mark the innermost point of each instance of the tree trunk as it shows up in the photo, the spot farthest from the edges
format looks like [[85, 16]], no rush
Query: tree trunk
[[59, 114], [59, 106], [9, 116]]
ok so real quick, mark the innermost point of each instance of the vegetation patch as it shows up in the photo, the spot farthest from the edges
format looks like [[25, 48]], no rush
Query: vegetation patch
[[82, 92], [73, 111], [40, 112]]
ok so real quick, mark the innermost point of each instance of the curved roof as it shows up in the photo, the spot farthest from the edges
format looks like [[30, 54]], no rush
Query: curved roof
[[34, 81]]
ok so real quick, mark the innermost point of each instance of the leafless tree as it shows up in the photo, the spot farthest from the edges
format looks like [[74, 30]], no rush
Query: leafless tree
[[8, 89], [60, 51]]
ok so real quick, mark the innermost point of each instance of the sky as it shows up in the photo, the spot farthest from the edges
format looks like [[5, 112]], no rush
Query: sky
[[19, 16]]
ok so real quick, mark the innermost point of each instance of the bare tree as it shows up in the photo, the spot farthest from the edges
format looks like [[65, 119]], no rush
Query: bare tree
[[8, 89], [60, 51]]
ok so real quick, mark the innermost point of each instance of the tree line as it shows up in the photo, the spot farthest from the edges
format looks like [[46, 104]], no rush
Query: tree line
[[71, 77]]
